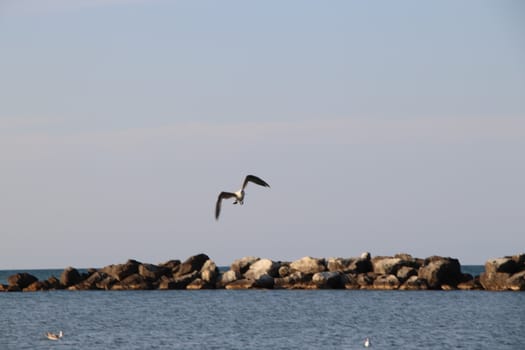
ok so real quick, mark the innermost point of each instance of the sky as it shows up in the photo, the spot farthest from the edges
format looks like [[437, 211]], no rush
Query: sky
[[388, 127]]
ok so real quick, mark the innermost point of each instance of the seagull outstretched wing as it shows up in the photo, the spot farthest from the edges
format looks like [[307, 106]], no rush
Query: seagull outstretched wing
[[255, 180], [222, 195]]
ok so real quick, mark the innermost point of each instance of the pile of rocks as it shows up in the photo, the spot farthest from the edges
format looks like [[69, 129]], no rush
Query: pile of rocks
[[402, 272]]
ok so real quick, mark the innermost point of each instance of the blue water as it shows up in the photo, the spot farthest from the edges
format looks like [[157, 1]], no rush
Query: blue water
[[254, 319]]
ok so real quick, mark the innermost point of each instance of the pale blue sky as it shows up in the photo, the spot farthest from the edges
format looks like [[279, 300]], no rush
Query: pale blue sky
[[381, 126]]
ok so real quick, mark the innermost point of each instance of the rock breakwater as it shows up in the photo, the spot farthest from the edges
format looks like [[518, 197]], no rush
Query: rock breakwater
[[398, 272]]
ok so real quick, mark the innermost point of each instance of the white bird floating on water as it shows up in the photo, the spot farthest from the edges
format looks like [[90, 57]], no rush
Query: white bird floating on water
[[367, 343], [54, 336], [239, 195]]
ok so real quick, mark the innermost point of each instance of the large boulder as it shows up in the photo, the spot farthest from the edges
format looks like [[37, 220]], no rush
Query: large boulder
[[133, 282], [241, 284], [70, 276], [121, 271], [405, 272], [339, 264], [517, 281], [386, 265], [308, 265], [264, 281], [328, 279], [386, 282], [20, 280], [209, 272], [414, 283], [240, 266], [193, 263], [226, 278], [262, 267], [153, 272], [438, 271], [96, 281], [507, 265]]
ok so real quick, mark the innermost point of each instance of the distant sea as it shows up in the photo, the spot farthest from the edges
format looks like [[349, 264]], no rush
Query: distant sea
[[262, 319]]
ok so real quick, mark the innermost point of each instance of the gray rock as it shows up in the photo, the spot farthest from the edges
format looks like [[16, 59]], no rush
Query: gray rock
[[308, 265]]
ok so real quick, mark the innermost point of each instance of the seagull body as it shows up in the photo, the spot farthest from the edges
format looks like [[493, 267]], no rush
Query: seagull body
[[54, 336], [367, 343], [239, 195]]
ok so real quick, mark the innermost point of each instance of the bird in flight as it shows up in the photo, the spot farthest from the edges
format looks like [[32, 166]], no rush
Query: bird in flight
[[239, 195]]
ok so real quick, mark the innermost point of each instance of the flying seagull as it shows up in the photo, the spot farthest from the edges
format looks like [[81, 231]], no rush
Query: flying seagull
[[239, 195], [53, 336]]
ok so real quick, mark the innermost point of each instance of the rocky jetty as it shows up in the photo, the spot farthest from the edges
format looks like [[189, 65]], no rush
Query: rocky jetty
[[398, 272]]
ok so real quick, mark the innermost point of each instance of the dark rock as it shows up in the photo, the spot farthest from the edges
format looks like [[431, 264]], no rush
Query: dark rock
[[199, 284], [414, 283], [153, 272], [290, 281], [507, 265], [284, 270], [405, 272], [494, 280], [21, 280], [36, 286], [3, 287], [366, 280], [69, 277], [328, 279], [386, 282], [264, 281], [339, 265], [133, 282], [517, 281], [96, 281], [13, 289], [520, 261], [121, 271], [226, 278], [192, 264], [308, 265], [471, 283], [240, 266], [361, 265], [181, 282], [438, 271], [241, 284], [350, 281], [54, 283]]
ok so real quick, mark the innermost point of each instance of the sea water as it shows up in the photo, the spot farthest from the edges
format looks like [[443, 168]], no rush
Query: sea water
[[263, 319]]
